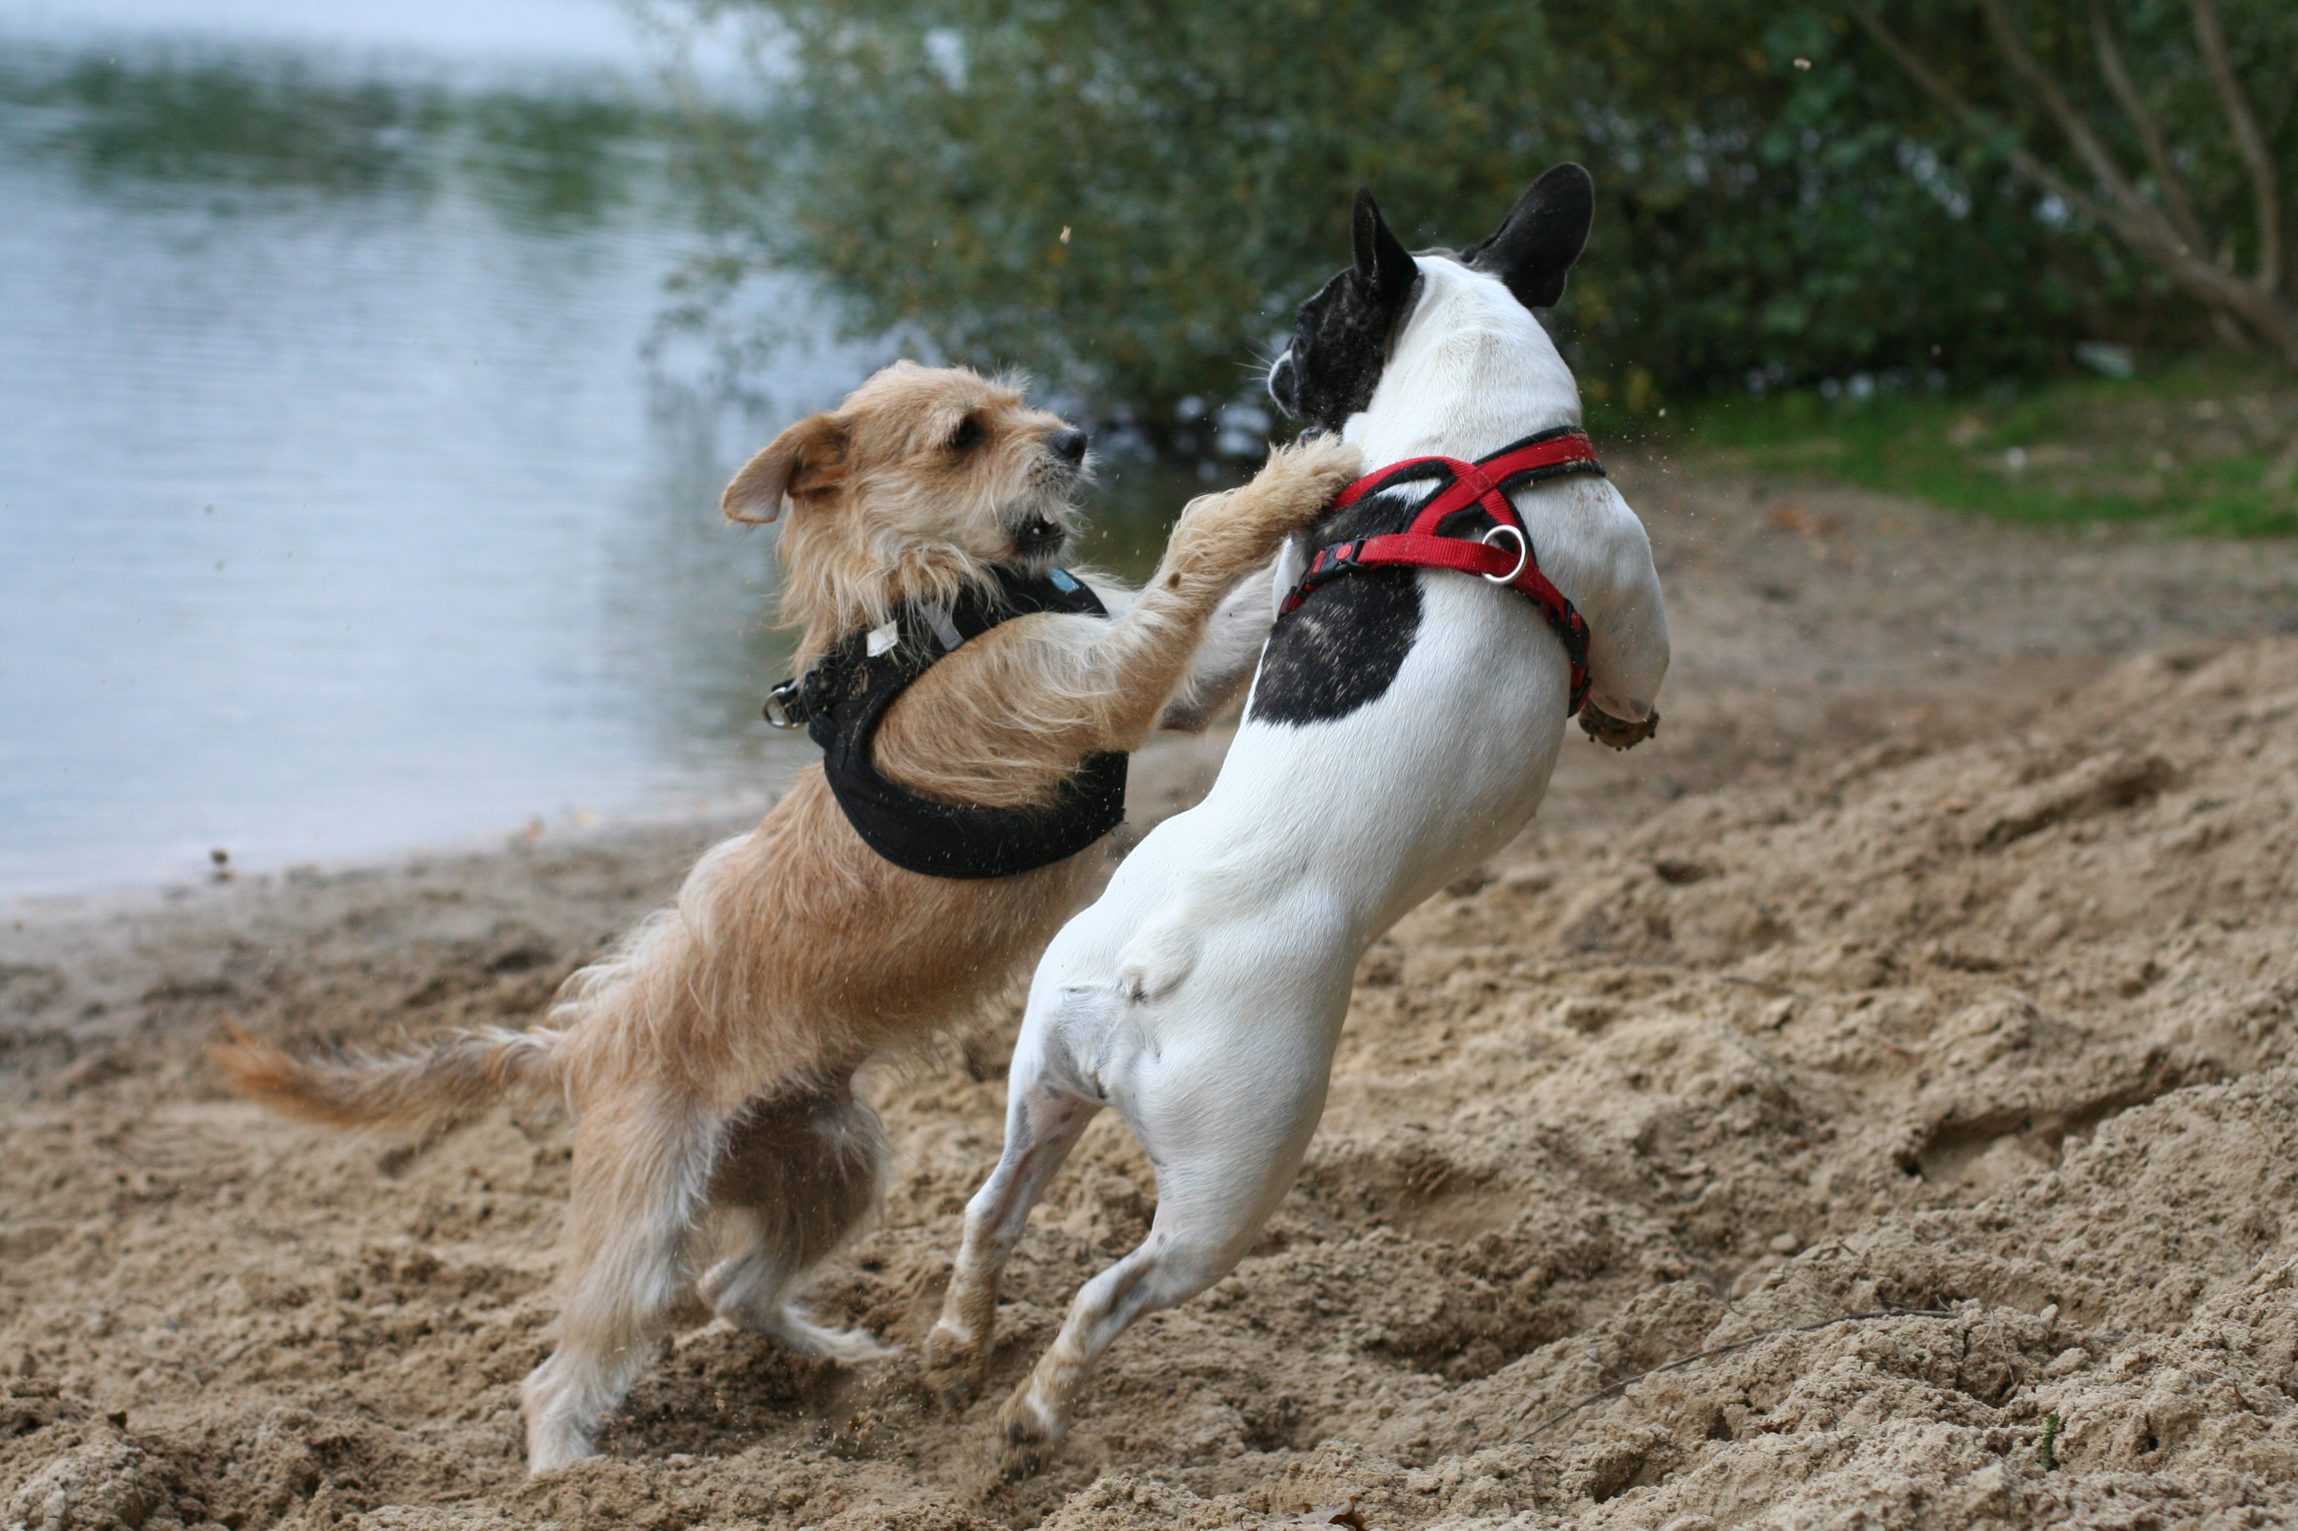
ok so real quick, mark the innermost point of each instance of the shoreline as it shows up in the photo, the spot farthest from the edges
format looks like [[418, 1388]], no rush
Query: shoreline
[[136, 895]]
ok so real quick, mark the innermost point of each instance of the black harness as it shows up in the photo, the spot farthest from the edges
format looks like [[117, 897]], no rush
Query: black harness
[[844, 698]]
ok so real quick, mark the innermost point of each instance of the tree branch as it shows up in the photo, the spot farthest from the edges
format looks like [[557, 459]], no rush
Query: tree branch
[[2265, 187], [2134, 220], [2149, 130], [2025, 164], [2078, 132]]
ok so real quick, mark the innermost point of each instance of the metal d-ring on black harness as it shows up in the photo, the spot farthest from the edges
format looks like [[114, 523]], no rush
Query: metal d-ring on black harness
[[843, 698]]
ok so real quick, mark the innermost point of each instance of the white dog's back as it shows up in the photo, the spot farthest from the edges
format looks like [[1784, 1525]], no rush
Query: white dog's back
[[1317, 837]]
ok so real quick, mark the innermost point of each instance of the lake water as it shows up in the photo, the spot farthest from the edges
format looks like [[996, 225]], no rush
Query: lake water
[[353, 495]]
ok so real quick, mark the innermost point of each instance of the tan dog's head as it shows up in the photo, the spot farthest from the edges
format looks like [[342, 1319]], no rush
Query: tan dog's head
[[919, 484]]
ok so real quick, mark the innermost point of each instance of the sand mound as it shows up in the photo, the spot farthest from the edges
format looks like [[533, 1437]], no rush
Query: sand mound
[[1999, 1033]]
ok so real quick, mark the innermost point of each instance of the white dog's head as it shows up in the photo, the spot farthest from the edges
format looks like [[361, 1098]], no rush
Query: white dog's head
[[1344, 337]]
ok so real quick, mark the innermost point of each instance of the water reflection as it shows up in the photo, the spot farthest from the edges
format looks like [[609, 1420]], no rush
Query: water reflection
[[353, 494], [341, 511]]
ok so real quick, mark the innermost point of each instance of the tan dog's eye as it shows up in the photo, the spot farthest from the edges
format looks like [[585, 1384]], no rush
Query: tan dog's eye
[[967, 434]]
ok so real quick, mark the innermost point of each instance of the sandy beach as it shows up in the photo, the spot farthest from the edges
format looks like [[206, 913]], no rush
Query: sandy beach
[[1909, 1033]]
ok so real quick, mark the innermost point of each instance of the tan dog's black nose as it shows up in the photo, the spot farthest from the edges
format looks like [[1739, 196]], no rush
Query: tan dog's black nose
[[1068, 444]]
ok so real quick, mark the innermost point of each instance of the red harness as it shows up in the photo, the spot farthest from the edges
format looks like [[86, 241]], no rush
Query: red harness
[[1467, 486]]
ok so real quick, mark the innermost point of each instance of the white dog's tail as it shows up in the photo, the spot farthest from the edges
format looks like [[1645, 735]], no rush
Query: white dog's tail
[[1161, 954], [458, 1071]]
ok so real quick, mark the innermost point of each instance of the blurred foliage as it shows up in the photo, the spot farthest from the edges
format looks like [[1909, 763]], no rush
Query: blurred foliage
[[1124, 197], [1765, 221], [2201, 446], [2167, 123], [1776, 202]]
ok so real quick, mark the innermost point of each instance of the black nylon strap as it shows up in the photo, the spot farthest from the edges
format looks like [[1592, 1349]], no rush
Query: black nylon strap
[[847, 694]]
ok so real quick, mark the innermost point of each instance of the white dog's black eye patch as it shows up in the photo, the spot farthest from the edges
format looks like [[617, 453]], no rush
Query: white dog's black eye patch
[[1338, 353], [1328, 657], [1341, 336]]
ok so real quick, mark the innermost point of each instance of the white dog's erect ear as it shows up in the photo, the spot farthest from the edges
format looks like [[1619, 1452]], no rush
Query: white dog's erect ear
[[1534, 247], [805, 459], [1383, 264]]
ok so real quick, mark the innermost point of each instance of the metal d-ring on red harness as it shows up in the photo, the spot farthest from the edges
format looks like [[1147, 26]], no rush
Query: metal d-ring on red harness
[[1464, 486]]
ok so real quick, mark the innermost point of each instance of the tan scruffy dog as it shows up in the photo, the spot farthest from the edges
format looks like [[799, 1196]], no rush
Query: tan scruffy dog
[[709, 1060]]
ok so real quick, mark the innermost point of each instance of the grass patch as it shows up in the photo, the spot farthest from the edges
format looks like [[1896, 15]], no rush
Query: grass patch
[[2203, 448]]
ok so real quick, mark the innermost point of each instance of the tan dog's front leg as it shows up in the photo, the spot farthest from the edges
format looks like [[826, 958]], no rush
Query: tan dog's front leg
[[1072, 685], [1219, 539], [1226, 659]]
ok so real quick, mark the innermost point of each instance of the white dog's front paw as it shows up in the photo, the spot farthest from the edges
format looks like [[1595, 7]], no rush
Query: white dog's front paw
[[1618, 733]]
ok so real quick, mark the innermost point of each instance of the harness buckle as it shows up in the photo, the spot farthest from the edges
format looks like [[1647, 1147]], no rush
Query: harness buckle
[[1523, 551], [785, 704]]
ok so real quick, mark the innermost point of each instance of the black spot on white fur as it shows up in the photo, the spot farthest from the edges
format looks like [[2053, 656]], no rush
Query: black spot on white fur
[[1342, 648]]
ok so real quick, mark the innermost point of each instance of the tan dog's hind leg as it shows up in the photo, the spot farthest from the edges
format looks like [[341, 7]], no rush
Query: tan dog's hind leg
[[798, 1177], [641, 1167]]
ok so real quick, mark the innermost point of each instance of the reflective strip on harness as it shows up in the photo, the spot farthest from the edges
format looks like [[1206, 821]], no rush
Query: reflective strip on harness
[[1464, 485]]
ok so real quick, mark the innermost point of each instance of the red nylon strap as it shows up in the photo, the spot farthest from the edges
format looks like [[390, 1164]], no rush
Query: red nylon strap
[[1422, 546], [1563, 451]]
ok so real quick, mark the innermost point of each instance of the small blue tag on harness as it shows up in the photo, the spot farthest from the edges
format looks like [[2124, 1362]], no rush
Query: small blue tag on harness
[[1062, 579]]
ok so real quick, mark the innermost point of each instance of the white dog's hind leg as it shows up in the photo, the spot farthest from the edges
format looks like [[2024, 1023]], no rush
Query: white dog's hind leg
[[1213, 1197], [1043, 1123]]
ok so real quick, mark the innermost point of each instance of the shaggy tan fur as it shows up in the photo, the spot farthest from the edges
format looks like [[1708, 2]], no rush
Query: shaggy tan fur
[[709, 1059]]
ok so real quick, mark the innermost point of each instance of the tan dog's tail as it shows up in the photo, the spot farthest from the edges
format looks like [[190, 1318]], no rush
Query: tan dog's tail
[[458, 1071]]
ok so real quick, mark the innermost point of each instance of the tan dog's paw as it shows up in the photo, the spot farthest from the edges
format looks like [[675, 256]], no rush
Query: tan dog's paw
[[1222, 537], [1304, 478], [1292, 489], [1617, 732]]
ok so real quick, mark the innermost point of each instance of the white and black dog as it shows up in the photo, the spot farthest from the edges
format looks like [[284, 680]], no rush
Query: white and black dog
[[1402, 727]]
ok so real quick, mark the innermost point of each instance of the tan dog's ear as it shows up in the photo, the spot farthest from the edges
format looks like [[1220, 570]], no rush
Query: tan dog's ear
[[805, 459]]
